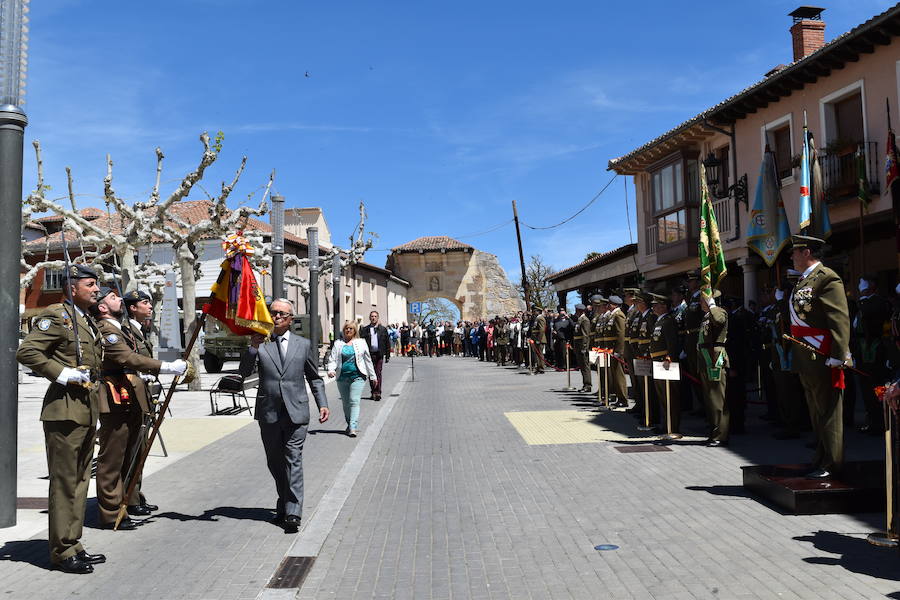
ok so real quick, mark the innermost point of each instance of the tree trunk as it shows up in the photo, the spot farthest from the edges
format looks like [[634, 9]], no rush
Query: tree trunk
[[186, 261], [126, 264]]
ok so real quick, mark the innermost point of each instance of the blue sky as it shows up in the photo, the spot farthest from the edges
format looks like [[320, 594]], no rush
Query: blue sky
[[436, 114]]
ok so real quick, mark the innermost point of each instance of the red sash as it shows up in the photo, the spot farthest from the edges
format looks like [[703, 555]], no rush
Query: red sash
[[800, 331]]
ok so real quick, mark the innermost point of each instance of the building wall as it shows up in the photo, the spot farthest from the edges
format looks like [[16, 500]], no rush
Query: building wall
[[396, 302], [877, 76]]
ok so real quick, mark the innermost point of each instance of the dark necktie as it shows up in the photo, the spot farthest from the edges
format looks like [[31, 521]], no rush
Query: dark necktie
[[280, 349]]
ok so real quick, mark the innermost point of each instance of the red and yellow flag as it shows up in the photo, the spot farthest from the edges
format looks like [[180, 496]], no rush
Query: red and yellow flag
[[236, 299]]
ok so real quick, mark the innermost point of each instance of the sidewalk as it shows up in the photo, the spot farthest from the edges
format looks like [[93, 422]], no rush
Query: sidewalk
[[211, 538]]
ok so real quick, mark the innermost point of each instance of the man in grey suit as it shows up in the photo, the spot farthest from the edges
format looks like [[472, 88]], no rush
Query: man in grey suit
[[282, 406]]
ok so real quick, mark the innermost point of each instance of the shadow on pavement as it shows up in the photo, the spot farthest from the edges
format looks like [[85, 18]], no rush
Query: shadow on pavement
[[856, 555], [229, 512], [34, 552], [317, 431], [736, 491]]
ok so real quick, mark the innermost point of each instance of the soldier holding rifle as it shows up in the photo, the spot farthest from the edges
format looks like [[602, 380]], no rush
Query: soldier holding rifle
[[124, 408], [65, 347]]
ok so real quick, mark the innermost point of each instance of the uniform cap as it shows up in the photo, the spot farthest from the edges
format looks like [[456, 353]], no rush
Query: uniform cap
[[658, 299], [630, 291], [579, 307], [135, 296], [597, 299], [807, 241], [82, 272], [615, 300], [681, 289], [693, 274]]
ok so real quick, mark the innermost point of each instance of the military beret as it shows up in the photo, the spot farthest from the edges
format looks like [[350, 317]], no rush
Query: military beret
[[615, 300], [104, 292], [135, 296], [82, 272], [807, 241], [579, 307]]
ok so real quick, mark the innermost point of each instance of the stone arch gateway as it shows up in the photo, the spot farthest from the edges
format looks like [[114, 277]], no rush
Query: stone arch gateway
[[440, 266]]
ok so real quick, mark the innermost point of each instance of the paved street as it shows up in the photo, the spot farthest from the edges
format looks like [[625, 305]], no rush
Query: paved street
[[481, 483]]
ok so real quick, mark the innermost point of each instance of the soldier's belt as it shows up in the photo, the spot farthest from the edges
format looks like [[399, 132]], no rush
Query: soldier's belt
[[658, 354], [628, 340], [607, 339], [642, 341]]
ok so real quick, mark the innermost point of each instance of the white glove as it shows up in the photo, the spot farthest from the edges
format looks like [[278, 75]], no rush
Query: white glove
[[176, 367], [779, 295], [833, 362], [683, 355], [148, 378], [710, 302], [70, 375]]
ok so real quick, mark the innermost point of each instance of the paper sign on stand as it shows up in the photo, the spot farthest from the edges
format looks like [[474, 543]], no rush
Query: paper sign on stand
[[673, 373], [643, 367]]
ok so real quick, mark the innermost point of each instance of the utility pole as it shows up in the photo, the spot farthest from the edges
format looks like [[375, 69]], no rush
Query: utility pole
[[276, 220], [521, 257]]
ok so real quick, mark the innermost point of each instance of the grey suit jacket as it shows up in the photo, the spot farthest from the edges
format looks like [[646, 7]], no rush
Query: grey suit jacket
[[281, 387]]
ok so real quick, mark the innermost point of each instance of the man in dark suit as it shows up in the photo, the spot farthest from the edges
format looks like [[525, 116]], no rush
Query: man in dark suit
[[376, 337], [282, 406]]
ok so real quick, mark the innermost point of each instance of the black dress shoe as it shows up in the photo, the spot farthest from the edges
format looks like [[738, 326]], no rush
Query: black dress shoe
[[139, 511], [277, 520], [150, 507], [716, 444], [73, 564], [291, 524], [91, 559], [819, 474], [126, 525]]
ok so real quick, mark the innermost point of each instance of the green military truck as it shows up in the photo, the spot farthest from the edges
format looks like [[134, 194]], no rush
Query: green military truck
[[221, 344]]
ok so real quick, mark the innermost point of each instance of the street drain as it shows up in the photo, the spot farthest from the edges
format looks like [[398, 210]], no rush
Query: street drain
[[291, 572], [603, 547]]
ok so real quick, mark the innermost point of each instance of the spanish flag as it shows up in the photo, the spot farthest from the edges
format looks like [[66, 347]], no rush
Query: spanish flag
[[236, 298]]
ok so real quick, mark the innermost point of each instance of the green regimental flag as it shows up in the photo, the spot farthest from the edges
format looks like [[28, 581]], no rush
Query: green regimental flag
[[712, 257]]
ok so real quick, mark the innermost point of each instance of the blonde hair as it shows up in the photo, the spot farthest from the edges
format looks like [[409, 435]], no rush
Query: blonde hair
[[354, 326]]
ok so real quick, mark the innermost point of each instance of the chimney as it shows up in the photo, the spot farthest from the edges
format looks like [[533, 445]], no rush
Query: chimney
[[808, 31]]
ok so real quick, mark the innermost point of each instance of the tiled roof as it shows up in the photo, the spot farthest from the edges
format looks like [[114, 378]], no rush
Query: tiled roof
[[431, 243], [841, 43], [594, 261]]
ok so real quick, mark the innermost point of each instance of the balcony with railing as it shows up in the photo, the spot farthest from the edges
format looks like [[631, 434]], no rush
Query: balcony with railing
[[841, 170], [673, 231]]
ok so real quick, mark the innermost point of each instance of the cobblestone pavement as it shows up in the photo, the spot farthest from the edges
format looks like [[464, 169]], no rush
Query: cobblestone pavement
[[211, 538], [454, 502]]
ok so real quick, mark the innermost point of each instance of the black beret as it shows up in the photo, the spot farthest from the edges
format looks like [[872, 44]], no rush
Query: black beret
[[104, 292], [135, 296], [82, 272]]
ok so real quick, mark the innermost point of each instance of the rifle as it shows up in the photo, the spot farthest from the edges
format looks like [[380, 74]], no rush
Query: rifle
[[73, 313], [139, 465], [815, 350]]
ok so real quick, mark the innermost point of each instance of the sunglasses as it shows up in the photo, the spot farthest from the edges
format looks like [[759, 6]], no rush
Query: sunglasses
[[280, 313]]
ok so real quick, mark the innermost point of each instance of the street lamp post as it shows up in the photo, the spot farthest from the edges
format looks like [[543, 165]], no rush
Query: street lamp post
[[276, 220], [312, 238], [336, 294], [13, 56]]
